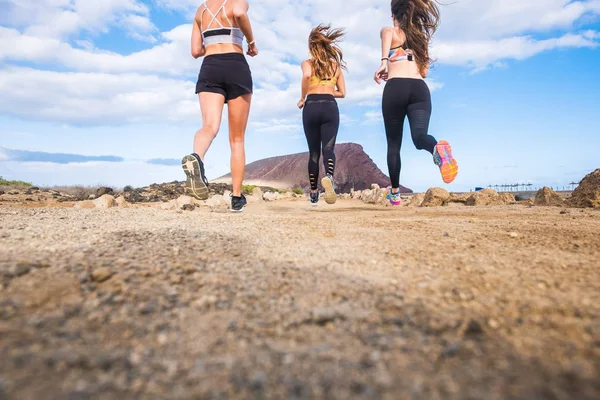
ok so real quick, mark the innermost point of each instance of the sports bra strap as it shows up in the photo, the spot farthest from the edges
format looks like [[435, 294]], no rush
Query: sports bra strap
[[214, 16]]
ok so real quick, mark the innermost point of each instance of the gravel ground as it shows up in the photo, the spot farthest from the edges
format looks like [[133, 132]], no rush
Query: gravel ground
[[283, 301]]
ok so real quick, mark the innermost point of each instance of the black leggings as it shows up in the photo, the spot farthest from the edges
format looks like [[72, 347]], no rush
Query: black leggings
[[321, 119], [406, 97]]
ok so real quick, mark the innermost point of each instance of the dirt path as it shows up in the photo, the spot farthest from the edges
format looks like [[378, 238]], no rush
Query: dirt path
[[283, 301]]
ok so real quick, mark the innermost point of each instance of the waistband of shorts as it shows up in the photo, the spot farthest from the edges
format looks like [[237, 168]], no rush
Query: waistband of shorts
[[319, 98], [226, 57]]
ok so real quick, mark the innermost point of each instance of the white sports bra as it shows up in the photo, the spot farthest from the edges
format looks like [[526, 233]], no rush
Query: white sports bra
[[223, 34]]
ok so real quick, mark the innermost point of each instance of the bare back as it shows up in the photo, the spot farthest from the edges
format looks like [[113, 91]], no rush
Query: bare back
[[218, 14], [325, 86], [404, 68]]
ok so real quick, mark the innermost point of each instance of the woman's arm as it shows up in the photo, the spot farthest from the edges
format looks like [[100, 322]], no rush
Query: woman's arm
[[306, 74], [386, 35], [240, 13], [198, 49], [340, 92]]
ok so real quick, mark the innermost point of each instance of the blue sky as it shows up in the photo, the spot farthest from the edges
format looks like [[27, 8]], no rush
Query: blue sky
[[103, 92]]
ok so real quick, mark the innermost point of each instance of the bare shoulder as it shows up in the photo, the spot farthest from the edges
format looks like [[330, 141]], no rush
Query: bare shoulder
[[387, 30], [242, 4], [199, 12]]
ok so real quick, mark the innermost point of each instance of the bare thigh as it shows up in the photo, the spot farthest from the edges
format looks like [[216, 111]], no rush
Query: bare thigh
[[211, 106], [238, 108]]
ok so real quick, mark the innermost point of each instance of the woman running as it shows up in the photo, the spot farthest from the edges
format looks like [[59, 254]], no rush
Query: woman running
[[404, 64], [218, 32], [322, 82]]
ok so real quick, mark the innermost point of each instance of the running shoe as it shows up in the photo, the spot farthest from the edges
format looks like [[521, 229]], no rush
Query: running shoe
[[196, 183], [330, 196], [442, 157], [314, 198], [238, 203], [394, 198]]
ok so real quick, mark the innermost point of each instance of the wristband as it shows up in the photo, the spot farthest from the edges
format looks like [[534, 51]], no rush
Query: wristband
[[385, 58], [251, 43]]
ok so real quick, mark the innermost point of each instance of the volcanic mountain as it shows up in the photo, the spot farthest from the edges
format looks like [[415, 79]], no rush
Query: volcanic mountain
[[354, 169]]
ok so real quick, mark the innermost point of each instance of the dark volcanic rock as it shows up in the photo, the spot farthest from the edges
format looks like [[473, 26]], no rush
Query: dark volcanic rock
[[354, 169], [104, 190]]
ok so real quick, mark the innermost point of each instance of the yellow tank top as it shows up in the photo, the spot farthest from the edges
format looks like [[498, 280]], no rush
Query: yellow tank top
[[315, 80]]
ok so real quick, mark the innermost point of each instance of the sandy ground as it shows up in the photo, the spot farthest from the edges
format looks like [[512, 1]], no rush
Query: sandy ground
[[287, 301]]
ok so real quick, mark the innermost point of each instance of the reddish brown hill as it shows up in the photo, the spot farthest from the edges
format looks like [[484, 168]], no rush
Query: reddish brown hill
[[354, 169]]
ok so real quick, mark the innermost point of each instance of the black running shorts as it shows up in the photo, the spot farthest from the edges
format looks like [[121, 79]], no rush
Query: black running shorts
[[227, 74]]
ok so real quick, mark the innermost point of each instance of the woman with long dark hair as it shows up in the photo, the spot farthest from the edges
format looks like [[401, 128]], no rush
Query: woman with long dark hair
[[322, 82], [404, 65], [217, 35]]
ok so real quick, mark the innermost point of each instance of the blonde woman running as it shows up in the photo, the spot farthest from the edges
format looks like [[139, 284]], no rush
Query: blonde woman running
[[322, 82]]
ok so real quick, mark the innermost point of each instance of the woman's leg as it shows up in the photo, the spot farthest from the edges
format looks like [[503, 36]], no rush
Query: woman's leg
[[419, 114], [211, 106], [395, 96], [196, 184], [329, 131], [312, 131], [238, 111]]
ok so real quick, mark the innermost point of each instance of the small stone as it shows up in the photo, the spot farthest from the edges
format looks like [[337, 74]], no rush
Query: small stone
[[493, 324], [188, 207], [205, 302], [184, 200], [322, 316], [147, 309], [258, 382], [101, 274], [450, 350], [446, 234], [474, 329], [20, 270], [189, 269], [162, 339], [513, 234], [257, 193]]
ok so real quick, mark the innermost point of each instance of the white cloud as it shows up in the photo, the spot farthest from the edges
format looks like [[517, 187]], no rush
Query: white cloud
[[94, 98], [157, 83], [61, 18]]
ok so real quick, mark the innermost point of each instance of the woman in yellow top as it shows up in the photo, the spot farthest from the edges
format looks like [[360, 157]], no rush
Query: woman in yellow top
[[322, 82]]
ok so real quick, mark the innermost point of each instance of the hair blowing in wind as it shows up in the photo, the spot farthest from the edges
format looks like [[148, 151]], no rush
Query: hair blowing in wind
[[324, 51], [419, 19]]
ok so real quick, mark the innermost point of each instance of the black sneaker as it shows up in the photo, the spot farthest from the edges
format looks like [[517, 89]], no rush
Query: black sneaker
[[314, 198], [196, 183], [238, 203]]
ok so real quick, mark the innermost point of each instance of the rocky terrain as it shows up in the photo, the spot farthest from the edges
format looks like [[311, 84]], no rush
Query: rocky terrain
[[354, 170], [454, 296]]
